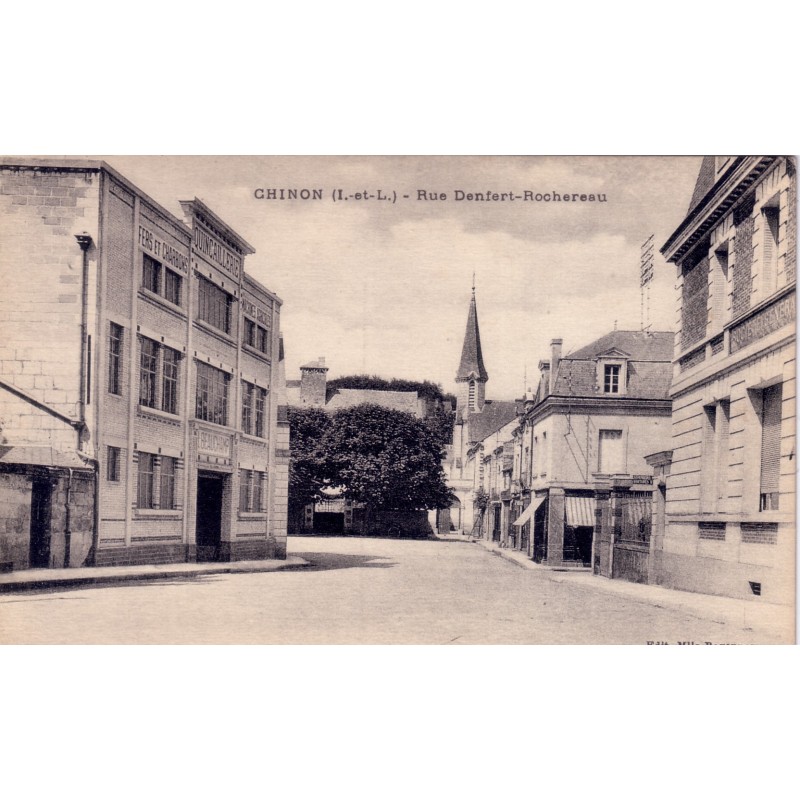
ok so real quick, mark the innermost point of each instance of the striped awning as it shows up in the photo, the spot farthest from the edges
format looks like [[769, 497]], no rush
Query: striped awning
[[530, 510], [579, 511]]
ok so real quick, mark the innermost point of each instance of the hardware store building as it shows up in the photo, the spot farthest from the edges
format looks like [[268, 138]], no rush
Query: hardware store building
[[140, 381]]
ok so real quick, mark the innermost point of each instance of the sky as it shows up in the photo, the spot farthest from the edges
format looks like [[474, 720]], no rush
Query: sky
[[383, 287]]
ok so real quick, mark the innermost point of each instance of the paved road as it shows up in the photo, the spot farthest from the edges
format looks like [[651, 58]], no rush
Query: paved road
[[363, 591]]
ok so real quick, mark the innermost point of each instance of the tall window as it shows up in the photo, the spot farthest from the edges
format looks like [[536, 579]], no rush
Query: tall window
[[167, 499], [245, 489], [151, 274], [113, 464], [545, 458], [254, 400], [611, 378], [172, 287], [770, 222], [169, 398], [715, 456], [258, 481], [471, 396], [772, 399], [159, 372], [148, 371], [145, 497], [115, 358], [160, 280], [261, 399], [256, 336], [247, 406], [610, 455], [212, 394], [214, 305]]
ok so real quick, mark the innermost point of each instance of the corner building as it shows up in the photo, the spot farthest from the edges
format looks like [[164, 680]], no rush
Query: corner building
[[730, 474], [156, 365]]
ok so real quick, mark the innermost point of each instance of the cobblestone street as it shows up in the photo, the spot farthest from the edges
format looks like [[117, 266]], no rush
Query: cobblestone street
[[372, 591]]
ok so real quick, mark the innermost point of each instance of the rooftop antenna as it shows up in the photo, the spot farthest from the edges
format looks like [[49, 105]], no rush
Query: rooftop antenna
[[646, 278]]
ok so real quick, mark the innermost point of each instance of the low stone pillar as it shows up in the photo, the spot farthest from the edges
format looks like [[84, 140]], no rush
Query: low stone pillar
[[555, 528]]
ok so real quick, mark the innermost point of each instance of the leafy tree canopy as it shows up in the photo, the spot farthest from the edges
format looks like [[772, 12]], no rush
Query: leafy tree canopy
[[383, 458], [308, 466]]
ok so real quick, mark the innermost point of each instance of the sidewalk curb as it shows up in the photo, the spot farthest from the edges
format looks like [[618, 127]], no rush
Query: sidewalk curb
[[768, 617], [149, 572]]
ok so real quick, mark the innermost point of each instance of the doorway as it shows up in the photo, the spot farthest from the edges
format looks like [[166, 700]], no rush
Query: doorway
[[41, 496], [210, 488]]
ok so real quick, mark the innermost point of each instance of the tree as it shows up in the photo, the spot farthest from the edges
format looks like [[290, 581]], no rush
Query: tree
[[386, 459], [308, 463]]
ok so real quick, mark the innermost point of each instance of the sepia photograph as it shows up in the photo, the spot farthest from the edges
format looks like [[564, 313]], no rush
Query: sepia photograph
[[398, 400]]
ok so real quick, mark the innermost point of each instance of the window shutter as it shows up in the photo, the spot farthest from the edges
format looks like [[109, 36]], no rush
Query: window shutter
[[771, 438]]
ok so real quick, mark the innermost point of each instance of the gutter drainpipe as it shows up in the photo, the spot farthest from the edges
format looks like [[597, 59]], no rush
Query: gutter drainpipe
[[84, 242]]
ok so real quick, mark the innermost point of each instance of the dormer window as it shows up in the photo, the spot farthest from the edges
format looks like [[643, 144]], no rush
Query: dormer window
[[611, 375], [612, 372]]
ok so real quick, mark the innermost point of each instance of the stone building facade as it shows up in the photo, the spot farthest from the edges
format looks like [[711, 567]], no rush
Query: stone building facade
[[136, 351], [583, 436], [729, 523]]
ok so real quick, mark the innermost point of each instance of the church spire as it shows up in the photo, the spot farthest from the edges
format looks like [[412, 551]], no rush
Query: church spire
[[471, 367]]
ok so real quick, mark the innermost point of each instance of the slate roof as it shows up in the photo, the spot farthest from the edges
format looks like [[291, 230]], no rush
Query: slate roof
[[36, 455], [649, 357], [638, 345], [705, 180], [471, 365], [494, 415]]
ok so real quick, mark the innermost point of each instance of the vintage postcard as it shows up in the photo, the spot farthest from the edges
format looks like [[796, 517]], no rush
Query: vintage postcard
[[398, 400]]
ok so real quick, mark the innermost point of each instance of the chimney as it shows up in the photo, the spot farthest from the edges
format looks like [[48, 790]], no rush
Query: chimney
[[313, 383], [555, 358], [544, 380]]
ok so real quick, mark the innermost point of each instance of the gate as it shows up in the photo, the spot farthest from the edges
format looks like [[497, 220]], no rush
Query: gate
[[632, 540]]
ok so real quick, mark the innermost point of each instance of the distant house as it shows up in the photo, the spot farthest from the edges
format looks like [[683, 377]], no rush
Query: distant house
[[335, 514], [581, 441]]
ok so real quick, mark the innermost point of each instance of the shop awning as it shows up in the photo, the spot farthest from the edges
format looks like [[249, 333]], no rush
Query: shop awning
[[530, 510], [580, 511]]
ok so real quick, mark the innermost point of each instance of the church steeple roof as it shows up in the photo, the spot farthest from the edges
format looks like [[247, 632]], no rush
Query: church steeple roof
[[471, 366]]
